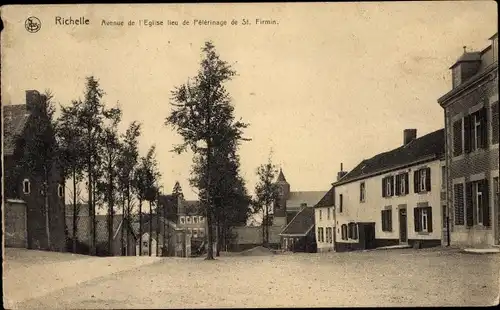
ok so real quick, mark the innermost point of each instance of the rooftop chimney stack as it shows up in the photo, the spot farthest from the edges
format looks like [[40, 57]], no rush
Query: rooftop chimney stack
[[341, 173], [409, 135]]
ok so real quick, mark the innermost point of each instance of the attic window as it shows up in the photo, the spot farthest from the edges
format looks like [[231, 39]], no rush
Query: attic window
[[188, 219], [26, 187], [182, 219], [202, 219]]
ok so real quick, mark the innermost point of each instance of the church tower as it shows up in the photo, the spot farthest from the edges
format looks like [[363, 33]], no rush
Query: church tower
[[284, 192]]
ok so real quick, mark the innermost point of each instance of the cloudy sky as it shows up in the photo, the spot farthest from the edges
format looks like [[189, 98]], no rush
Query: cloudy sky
[[329, 83]]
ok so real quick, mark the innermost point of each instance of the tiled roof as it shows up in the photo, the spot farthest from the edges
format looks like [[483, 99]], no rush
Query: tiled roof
[[296, 199], [301, 223], [15, 118], [281, 177], [431, 144], [327, 200], [191, 207], [468, 57]]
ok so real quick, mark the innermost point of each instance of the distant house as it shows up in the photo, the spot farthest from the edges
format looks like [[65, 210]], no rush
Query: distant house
[[121, 228], [298, 235], [325, 222], [20, 184], [393, 198], [472, 135]]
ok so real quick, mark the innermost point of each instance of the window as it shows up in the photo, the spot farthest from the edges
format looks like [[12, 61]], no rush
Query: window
[[341, 198], [443, 177], [422, 180], [402, 184], [457, 138], [387, 219], [422, 219], [195, 219], [353, 231], [458, 203], [475, 131], [188, 219], [494, 123], [477, 209], [328, 235], [344, 231], [195, 233], [320, 215], [321, 234], [388, 186], [201, 232], [362, 192], [60, 191], [328, 213], [182, 219], [26, 186], [202, 219]]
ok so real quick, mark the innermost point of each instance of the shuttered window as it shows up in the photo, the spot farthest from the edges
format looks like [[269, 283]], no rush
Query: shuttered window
[[388, 186], [402, 184], [457, 138], [422, 218], [458, 203], [344, 231], [386, 220], [422, 180], [494, 123], [469, 204]]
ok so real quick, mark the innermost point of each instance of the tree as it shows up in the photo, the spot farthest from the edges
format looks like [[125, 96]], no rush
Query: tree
[[203, 115], [266, 192], [127, 164], [40, 149], [70, 140], [177, 190]]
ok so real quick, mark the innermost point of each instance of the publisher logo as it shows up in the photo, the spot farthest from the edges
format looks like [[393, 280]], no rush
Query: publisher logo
[[32, 24]]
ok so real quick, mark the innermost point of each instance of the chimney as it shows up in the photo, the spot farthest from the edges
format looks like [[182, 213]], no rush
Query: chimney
[[409, 135], [32, 99], [341, 173]]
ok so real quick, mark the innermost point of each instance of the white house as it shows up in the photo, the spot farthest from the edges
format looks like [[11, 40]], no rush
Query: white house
[[325, 222], [394, 197]]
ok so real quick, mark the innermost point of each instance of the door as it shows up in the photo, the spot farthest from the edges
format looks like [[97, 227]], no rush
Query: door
[[369, 235], [403, 237]]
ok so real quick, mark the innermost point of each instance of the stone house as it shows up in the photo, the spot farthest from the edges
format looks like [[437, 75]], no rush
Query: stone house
[[471, 125], [324, 220], [393, 198], [22, 185], [298, 235]]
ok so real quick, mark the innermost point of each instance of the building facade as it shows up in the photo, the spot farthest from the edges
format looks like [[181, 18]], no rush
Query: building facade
[[324, 219], [393, 198], [29, 187], [471, 124]]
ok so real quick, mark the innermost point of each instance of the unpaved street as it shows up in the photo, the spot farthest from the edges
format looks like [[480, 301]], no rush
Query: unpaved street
[[377, 278]]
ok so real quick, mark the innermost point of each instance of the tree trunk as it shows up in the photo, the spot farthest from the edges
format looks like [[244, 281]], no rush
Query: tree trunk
[[94, 231], [140, 227], [110, 211], [267, 226], [263, 227], [210, 251], [74, 211], [123, 249], [150, 226], [90, 193], [157, 214], [127, 218], [47, 216]]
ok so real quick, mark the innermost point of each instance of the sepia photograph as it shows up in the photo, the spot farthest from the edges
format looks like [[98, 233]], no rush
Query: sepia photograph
[[250, 155]]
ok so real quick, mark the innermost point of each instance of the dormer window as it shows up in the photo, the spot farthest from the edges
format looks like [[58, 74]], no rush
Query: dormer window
[[195, 220], [188, 219], [182, 219], [202, 219], [60, 191], [26, 186]]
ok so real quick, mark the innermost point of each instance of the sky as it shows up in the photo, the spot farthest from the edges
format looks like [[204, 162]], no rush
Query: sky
[[327, 84]]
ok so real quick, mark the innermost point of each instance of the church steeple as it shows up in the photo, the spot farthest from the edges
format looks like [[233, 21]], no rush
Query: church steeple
[[281, 177]]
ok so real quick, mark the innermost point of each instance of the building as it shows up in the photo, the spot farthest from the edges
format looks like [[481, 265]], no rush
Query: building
[[298, 235], [21, 184], [393, 198], [324, 220], [471, 124]]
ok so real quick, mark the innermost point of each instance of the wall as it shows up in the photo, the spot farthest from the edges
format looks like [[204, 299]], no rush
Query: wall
[[15, 232], [323, 222], [248, 237], [370, 210], [482, 162]]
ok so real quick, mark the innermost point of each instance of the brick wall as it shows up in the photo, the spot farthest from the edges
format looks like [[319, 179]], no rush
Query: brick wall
[[15, 224]]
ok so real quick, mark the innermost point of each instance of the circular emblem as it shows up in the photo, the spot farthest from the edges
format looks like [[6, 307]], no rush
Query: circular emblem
[[32, 24]]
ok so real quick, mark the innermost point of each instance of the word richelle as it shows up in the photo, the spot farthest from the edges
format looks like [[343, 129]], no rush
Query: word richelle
[[72, 21]]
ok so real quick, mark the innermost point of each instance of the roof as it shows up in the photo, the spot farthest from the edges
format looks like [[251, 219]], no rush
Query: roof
[[493, 36], [296, 199], [429, 146], [281, 177], [468, 57], [191, 207], [327, 200], [301, 224], [15, 118]]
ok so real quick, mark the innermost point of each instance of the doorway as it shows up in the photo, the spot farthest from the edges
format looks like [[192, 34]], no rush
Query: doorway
[[403, 233]]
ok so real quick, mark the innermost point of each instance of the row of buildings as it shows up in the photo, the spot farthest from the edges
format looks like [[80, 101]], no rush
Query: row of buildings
[[438, 189]]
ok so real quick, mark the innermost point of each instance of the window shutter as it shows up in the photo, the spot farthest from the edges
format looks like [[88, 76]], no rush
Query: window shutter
[[429, 219], [494, 123], [416, 219], [383, 220], [407, 185], [484, 128], [467, 133], [398, 185], [469, 208], [389, 220], [355, 231], [415, 181], [459, 204], [486, 205], [428, 179], [392, 185], [457, 138], [383, 187]]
